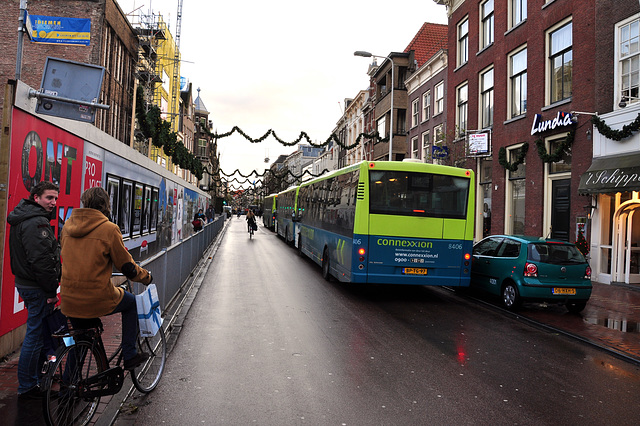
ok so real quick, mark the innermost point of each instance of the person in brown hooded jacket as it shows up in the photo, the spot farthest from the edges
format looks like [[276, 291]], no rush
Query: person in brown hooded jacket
[[91, 246]]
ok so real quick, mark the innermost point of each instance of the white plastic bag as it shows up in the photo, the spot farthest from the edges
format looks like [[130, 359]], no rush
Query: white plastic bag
[[148, 306]]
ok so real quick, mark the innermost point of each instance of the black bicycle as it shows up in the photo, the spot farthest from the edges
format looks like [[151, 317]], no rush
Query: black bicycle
[[80, 372]]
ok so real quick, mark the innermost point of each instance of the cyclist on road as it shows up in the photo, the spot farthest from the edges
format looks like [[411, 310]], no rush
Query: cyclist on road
[[251, 220], [91, 246]]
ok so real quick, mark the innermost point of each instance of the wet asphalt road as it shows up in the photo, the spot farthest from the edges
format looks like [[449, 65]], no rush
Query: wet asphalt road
[[267, 341]]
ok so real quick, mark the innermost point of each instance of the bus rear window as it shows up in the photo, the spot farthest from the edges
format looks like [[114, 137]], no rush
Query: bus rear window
[[418, 194]]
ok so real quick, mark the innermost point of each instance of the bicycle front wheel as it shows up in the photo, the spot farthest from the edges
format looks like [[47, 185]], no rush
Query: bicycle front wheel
[[63, 403], [146, 377]]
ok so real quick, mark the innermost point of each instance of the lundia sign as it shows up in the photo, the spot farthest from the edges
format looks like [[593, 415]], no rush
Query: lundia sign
[[563, 119]]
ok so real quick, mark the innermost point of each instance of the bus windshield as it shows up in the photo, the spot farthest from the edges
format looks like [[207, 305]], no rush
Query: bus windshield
[[418, 194]]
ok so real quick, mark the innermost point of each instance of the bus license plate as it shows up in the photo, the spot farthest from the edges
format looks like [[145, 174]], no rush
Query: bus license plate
[[557, 290], [414, 271]]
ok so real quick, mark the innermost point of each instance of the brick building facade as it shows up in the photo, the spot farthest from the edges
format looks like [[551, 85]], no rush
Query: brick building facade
[[512, 65], [113, 45]]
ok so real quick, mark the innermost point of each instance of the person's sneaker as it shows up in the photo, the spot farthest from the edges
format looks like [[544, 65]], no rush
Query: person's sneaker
[[130, 364], [33, 393]]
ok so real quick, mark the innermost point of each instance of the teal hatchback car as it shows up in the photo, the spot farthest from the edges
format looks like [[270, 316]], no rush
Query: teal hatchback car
[[518, 268]]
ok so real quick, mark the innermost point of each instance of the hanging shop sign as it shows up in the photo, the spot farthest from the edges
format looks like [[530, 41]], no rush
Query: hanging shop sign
[[478, 143], [59, 30], [563, 119]]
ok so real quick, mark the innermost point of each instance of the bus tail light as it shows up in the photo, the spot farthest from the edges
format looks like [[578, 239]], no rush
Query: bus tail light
[[530, 270], [361, 252]]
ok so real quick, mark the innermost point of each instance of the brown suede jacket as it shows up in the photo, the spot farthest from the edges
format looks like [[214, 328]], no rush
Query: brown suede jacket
[[91, 247]]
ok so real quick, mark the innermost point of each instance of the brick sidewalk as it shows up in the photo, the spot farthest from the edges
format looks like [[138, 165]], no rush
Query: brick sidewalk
[[14, 411]]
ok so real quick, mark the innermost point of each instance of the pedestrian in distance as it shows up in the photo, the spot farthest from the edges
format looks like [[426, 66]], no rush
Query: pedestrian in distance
[[211, 213], [35, 262], [91, 246], [198, 221]]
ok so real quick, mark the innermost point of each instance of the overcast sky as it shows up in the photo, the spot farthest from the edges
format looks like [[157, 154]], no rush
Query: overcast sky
[[284, 65]]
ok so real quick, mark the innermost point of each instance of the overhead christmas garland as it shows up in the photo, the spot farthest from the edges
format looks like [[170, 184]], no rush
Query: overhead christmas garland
[[563, 148], [303, 135], [616, 135], [502, 157], [269, 171]]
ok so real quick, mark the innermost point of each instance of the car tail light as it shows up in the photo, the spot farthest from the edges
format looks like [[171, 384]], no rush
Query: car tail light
[[587, 273], [530, 270]]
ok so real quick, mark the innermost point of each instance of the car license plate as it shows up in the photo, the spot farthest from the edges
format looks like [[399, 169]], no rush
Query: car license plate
[[558, 290], [414, 271]]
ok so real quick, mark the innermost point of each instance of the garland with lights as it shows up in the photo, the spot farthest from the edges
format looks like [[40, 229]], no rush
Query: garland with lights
[[616, 135], [563, 148], [512, 167]]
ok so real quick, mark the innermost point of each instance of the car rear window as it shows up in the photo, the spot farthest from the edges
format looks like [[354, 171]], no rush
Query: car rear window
[[557, 254]]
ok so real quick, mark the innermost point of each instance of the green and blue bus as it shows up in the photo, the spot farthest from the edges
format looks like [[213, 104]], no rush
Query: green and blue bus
[[286, 214], [269, 211], [389, 222]]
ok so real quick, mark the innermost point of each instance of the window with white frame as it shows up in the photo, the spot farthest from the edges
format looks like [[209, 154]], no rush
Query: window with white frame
[[518, 83], [438, 106], [561, 62], [415, 147], [438, 135], [415, 112], [426, 105], [629, 60], [438, 141], [516, 195], [486, 14], [426, 145], [462, 102], [517, 12], [382, 127], [463, 41], [486, 98], [563, 165]]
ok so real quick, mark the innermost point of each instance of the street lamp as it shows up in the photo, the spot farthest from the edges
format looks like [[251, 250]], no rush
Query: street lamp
[[369, 55]]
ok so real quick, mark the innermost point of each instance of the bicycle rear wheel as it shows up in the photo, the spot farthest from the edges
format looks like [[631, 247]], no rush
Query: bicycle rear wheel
[[146, 377], [62, 403]]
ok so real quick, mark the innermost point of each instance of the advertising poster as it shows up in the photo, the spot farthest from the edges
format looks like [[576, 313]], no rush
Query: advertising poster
[[59, 30], [39, 151]]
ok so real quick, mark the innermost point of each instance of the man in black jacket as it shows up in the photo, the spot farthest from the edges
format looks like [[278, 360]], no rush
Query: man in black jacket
[[35, 262]]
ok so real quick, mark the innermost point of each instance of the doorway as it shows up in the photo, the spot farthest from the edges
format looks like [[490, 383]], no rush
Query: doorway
[[560, 209], [625, 265]]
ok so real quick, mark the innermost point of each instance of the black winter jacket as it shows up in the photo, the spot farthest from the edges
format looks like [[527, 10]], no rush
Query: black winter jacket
[[33, 247]]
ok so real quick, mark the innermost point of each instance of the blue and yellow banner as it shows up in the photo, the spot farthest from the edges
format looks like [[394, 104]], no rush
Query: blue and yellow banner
[[57, 30]]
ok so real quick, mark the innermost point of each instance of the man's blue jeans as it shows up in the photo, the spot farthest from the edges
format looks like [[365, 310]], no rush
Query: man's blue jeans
[[31, 354], [129, 324]]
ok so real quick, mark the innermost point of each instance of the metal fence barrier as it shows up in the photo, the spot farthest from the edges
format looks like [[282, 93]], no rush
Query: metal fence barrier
[[172, 266]]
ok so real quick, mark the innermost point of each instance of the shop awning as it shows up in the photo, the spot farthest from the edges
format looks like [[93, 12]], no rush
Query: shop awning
[[611, 174]]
